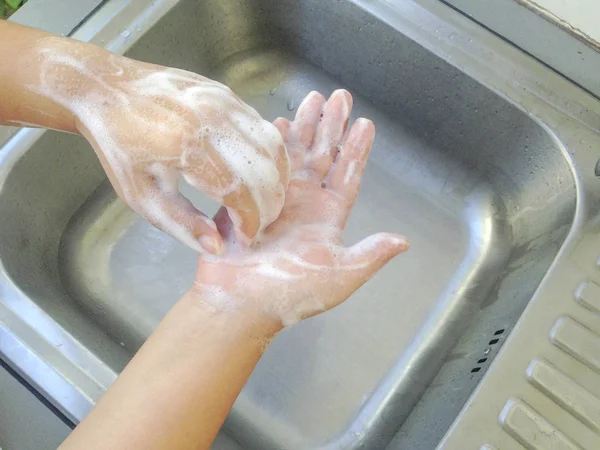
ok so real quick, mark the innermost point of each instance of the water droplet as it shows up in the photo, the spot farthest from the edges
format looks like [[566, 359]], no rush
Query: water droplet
[[290, 104], [125, 33], [487, 351], [272, 91]]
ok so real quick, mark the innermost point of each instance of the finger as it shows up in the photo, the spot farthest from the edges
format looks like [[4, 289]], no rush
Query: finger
[[330, 133], [251, 201], [251, 214], [244, 213], [175, 215], [346, 174], [225, 225], [283, 125], [282, 160], [361, 261], [258, 161], [238, 200], [304, 128]]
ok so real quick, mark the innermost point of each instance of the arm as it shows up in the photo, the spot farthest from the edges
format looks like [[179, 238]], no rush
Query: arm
[[178, 389], [150, 126], [19, 68]]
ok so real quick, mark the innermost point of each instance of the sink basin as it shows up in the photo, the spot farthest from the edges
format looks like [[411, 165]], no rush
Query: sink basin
[[483, 190]]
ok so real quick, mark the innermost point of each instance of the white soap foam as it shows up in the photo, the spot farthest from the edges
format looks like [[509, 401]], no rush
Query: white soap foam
[[350, 172], [207, 118], [221, 300], [285, 264]]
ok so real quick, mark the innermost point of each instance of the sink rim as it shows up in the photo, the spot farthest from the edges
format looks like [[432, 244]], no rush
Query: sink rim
[[109, 20]]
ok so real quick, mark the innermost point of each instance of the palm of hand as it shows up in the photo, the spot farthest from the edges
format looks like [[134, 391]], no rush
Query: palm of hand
[[299, 266]]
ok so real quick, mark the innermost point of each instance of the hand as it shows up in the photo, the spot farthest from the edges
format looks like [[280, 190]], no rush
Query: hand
[[299, 267], [151, 125]]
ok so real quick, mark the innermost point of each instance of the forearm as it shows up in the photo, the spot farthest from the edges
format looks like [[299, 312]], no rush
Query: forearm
[[178, 389], [20, 73]]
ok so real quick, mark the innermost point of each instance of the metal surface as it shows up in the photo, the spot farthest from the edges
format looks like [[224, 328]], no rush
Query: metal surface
[[55, 17], [25, 423], [556, 47], [577, 22], [483, 158]]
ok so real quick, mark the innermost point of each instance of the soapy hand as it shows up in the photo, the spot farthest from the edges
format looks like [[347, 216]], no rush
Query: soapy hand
[[151, 125], [300, 267]]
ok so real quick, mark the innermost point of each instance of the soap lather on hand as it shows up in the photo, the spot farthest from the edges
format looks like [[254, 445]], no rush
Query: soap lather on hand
[[151, 126]]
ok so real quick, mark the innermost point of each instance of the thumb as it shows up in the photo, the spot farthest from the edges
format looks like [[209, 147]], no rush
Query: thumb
[[363, 260], [175, 215]]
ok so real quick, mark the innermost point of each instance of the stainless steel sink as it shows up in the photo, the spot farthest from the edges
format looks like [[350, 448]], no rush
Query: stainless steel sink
[[465, 164]]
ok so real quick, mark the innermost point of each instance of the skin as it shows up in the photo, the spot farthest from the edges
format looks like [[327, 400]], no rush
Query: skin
[[150, 126], [178, 389]]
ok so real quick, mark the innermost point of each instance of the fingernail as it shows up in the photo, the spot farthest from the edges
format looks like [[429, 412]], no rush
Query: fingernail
[[401, 242], [210, 245]]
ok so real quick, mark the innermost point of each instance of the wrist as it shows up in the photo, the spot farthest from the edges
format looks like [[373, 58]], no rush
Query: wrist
[[233, 315]]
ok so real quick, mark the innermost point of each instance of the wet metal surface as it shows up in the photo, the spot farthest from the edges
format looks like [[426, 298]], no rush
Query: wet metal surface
[[474, 182]]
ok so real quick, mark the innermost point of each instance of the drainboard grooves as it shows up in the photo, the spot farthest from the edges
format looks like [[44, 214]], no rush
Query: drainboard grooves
[[588, 294], [578, 341], [565, 391], [531, 429]]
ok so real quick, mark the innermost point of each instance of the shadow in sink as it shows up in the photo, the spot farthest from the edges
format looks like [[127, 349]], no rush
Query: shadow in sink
[[473, 182]]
